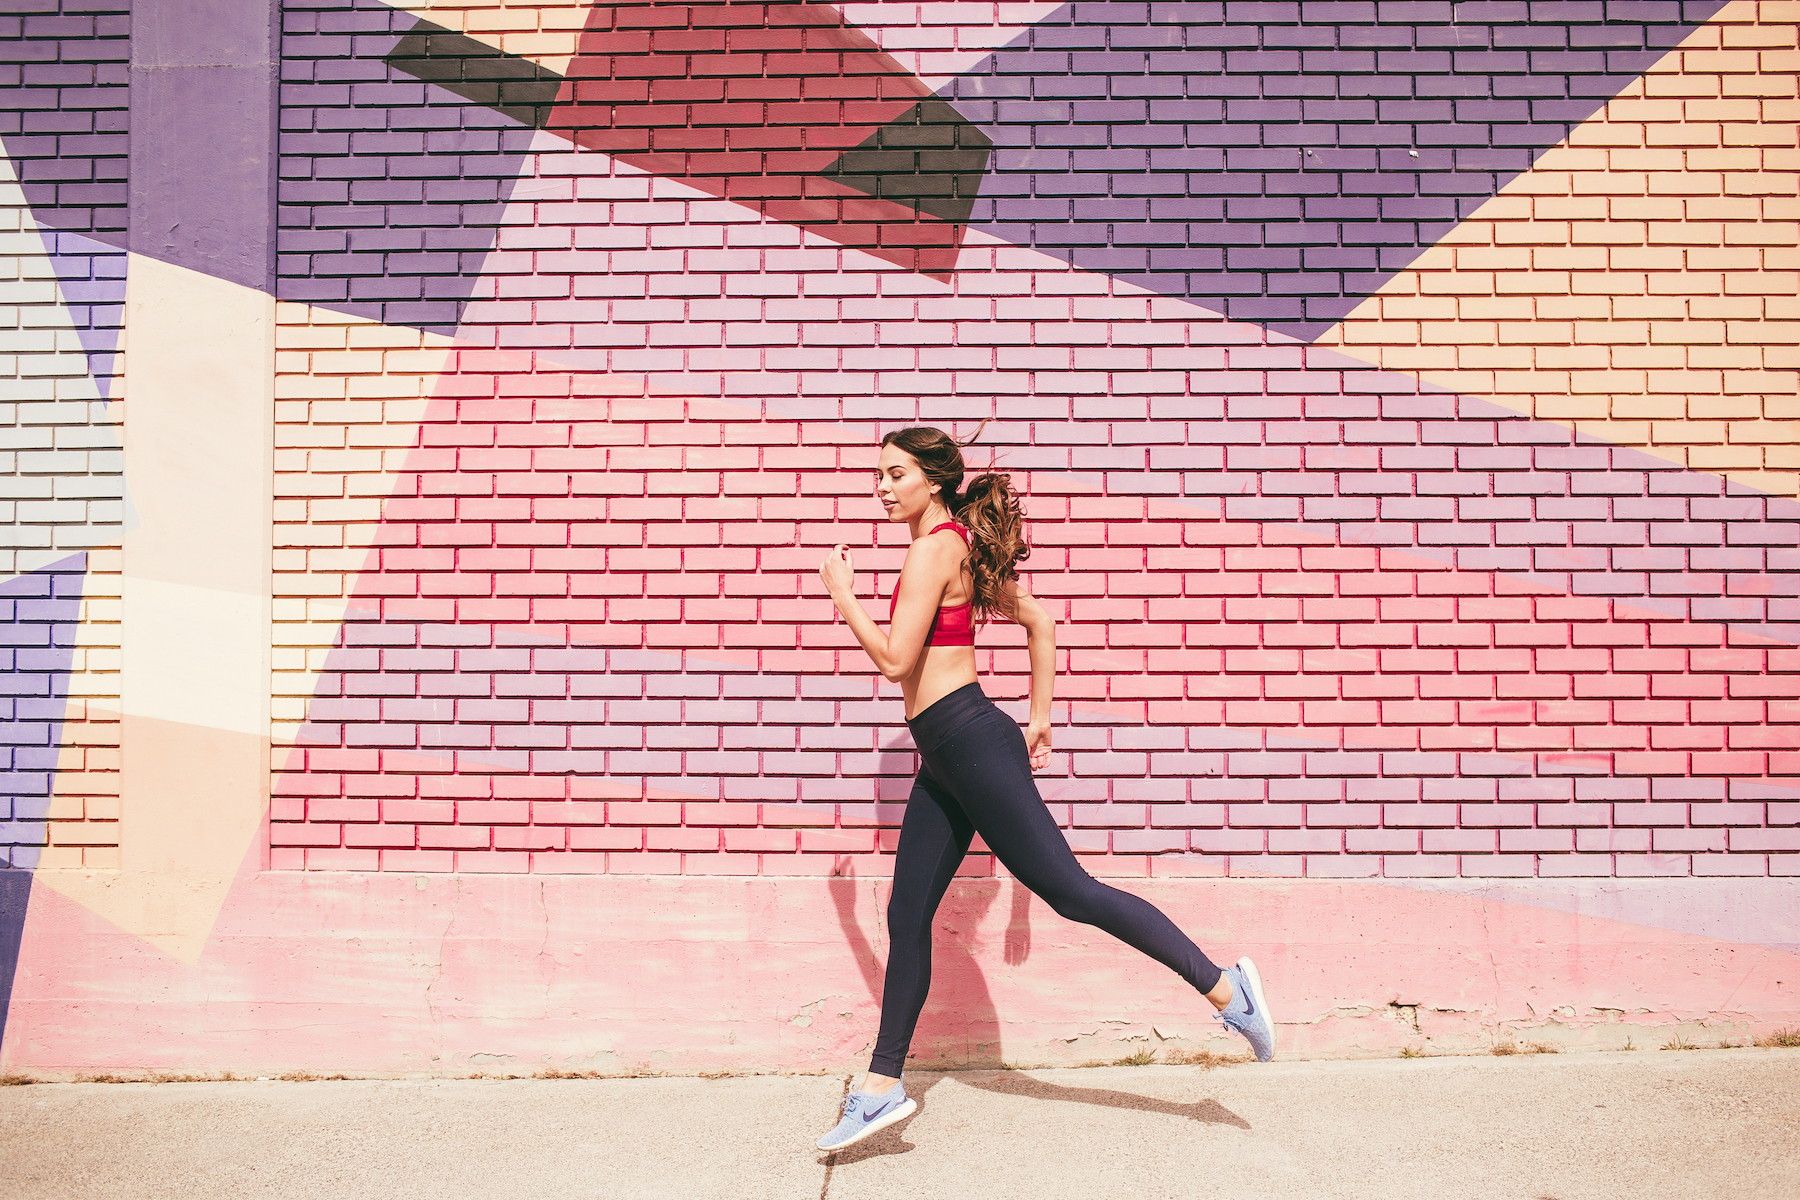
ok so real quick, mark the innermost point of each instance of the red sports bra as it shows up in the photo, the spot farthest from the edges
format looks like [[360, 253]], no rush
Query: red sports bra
[[952, 626]]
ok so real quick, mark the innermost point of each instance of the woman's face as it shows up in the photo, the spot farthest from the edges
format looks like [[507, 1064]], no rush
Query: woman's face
[[901, 486]]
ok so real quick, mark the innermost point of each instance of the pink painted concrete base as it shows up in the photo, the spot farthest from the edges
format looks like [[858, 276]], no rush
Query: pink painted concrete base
[[450, 975]]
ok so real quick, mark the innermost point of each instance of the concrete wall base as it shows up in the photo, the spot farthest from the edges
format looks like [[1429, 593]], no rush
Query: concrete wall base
[[453, 975]]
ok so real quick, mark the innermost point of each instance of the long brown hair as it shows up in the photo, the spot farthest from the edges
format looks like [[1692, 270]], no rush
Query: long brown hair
[[988, 507]]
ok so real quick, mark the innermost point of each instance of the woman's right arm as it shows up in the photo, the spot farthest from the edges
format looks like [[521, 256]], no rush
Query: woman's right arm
[[1040, 647], [928, 568]]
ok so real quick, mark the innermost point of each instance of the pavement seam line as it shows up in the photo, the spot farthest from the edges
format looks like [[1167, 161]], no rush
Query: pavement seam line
[[831, 1157]]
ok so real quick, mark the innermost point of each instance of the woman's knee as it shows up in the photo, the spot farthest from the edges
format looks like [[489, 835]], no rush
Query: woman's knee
[[1080, 900], [905, 919]]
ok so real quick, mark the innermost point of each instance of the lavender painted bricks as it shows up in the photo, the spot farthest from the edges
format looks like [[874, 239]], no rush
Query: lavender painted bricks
[[62, 111], [39, 613], [391, 189], [1277, 162]]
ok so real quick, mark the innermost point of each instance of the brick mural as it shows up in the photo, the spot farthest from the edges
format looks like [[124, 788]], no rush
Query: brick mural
[[1403, 408], [424, 421], [62, 291]]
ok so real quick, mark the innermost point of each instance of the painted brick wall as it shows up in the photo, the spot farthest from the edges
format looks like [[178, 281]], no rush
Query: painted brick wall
[[1639, 285], [1425, 512], [62, 220]]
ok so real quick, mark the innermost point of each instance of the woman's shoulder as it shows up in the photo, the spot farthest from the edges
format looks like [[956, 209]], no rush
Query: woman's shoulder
[[938, 545], [957, 533]]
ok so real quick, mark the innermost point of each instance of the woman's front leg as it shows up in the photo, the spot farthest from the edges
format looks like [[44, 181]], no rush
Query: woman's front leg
[[934, 837]]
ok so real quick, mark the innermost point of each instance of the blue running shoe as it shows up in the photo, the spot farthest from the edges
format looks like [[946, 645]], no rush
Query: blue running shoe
[[1248, 1012], [864, 1114]]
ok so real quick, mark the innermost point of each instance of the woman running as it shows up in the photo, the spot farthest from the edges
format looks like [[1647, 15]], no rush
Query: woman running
[[975, 772]]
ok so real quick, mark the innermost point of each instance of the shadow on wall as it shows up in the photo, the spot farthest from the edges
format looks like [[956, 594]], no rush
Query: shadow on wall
[[15, 898], [959, 1028]]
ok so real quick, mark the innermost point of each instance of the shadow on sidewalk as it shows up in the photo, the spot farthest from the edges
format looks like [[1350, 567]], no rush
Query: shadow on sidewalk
[[892, 1140], [1207, 1112]]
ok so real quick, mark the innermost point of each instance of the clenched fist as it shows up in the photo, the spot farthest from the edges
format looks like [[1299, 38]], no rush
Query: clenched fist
[[838, 571]]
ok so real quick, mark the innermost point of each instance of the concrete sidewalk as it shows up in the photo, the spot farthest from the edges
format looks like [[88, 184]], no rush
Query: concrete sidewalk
[[1638, 1125]]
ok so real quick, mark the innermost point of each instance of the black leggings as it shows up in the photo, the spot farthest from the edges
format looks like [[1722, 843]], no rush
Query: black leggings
[[976, 778]]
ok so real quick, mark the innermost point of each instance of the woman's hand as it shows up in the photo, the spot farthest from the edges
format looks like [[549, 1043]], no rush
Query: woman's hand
[[838, 572], [1037, 743]]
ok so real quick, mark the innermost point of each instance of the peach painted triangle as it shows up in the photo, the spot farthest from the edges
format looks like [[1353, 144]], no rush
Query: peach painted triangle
[[1638, 283]]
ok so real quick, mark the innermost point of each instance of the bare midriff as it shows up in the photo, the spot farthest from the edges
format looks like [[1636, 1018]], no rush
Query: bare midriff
[[941, 670]]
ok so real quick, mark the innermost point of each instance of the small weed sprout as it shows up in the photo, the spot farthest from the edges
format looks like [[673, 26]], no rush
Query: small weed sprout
[[1203, 1058], [1629, 1044], [1542, 1048], [1781, 1038], [16, 1080], [1140, 1058], [1503, 1049], [1411, 1052], [1678, 1042]]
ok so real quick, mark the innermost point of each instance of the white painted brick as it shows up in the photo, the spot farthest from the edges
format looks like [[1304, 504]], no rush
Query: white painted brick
[[24, 340], [35, 291], [109, 512], [87, 437], [22, 537], [70, 412], [54, 462], [53, 512], [82, 487], [24, 389]]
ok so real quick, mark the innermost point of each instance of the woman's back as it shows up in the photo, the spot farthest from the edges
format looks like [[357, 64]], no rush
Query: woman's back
[[947, 661]]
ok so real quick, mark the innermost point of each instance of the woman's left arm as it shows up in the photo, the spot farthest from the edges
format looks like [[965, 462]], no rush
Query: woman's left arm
[[1040, 646]]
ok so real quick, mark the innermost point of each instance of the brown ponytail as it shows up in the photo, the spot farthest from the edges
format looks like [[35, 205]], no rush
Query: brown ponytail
[[989, 508]]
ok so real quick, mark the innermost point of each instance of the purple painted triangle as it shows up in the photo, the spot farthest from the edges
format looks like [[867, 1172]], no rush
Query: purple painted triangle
[[91, 276]]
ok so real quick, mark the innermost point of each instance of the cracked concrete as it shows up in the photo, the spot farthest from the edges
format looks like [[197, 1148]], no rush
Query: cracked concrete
[[1600, 1126]]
